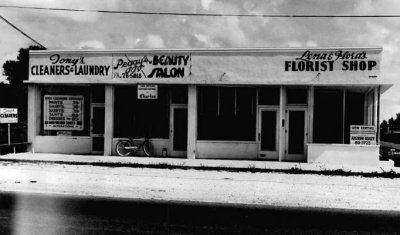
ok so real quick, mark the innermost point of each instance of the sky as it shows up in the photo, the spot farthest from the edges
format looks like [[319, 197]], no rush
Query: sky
[[78, 30]]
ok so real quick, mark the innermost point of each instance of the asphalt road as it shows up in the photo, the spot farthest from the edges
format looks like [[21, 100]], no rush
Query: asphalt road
[[62, 214]]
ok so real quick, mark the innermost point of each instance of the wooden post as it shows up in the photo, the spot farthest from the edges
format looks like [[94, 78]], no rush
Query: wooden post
[[9, 135]]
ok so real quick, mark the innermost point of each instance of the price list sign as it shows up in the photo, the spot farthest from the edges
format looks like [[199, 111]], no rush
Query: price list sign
[[63, 112]]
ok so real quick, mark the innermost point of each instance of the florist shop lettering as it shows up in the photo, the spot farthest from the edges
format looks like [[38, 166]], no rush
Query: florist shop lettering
[[330, 61]]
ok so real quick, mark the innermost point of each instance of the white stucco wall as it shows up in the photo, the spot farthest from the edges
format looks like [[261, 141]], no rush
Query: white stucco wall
[[63, 144], [343, 154], [226, 150]]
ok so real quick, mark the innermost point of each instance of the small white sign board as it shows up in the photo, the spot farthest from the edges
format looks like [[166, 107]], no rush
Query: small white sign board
[[8, 115], [362, 135], [147, 92]]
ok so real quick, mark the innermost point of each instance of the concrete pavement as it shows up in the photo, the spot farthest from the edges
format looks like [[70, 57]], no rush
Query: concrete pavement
[[189, 185]]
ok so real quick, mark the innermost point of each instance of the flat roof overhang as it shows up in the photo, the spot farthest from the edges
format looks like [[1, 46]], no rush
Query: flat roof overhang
[[206, 50], [225, 73]]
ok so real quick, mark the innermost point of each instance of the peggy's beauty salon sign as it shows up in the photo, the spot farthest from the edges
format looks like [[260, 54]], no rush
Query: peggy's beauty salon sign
[[151, 66]]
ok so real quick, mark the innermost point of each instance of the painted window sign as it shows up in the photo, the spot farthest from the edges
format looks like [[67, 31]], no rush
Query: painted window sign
[[69, 66], [147, 92], [63, 112], [155, 66], [330, 61], [362, 135], [8, 115]]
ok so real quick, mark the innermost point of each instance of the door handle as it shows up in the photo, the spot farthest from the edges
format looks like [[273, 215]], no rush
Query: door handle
[[259, 136]]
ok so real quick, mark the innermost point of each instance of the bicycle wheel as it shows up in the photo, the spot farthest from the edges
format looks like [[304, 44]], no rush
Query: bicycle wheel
[[121, 147], [148, 148]]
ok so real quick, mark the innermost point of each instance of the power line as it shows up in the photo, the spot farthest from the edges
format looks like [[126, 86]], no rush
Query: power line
[[26, 35], [202, 14]]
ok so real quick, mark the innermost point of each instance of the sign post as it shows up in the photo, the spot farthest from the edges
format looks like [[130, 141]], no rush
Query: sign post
[[8, 115], [9, 134]]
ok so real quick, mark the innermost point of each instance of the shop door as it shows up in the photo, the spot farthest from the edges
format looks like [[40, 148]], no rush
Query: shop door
[[296, 134], [97, 130], [179, 130], [268, 133]]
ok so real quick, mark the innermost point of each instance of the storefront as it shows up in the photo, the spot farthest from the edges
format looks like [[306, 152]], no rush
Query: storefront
[[297, 104]]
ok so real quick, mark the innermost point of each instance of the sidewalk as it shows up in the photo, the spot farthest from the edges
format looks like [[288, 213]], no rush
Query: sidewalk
[[202, 164], [132, 181]]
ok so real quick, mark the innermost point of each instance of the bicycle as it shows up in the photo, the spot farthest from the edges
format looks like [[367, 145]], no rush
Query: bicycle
[[127, 147]]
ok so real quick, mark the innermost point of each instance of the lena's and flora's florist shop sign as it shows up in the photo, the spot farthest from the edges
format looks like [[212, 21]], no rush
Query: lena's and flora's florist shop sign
[[338, 66], [330, 61], [63, 112]]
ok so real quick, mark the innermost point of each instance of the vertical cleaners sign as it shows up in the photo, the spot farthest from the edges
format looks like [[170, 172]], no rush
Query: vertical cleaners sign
[[8, 115]]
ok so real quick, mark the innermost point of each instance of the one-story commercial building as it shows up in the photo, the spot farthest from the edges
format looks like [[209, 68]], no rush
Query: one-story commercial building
[[278, 104]]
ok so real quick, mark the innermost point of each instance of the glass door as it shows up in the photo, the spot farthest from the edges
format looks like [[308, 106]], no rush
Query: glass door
[[179, 130], [97, 133], [268, 133], [296, 134]]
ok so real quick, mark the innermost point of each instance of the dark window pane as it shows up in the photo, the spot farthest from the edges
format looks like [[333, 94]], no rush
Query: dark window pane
[[228, 125], [328, 116], [227, 102], [354, 111], [98, 94], [269, 96], [180, 129], [268, 130], [296, 132], [98, 120], [141, 118], [245, 104], [98, 144], [208, 101], [179, 94], [297, 95]]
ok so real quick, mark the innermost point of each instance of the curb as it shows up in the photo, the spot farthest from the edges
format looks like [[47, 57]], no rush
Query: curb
[[293, 170]]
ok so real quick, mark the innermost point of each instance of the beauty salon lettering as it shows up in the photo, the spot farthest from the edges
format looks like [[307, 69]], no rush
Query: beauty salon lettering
[[331, 61], [69, 66], [156, 66]]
